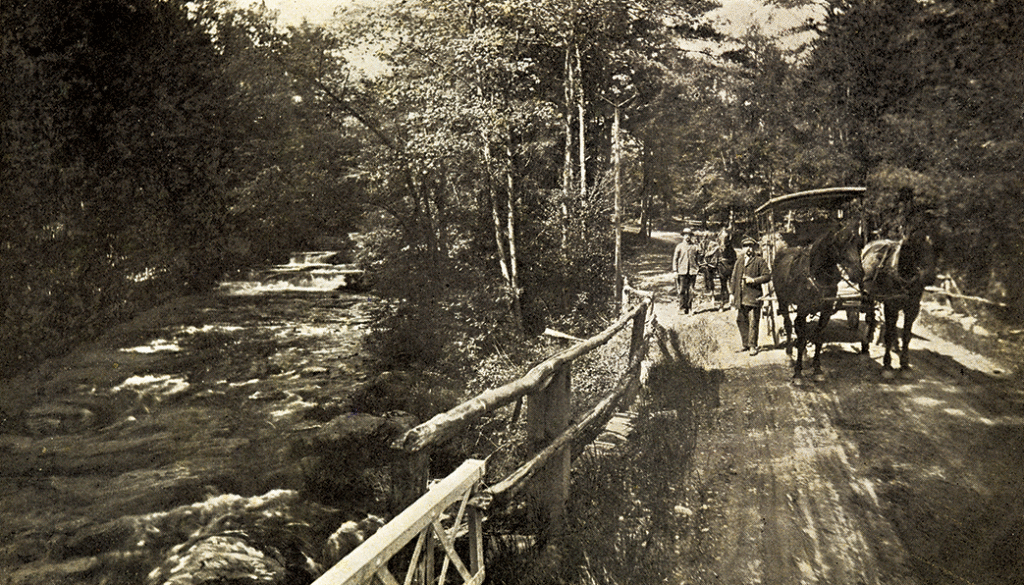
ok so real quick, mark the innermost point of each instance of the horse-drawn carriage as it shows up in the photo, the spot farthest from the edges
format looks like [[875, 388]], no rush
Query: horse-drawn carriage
[[821, 262], [798, 219]]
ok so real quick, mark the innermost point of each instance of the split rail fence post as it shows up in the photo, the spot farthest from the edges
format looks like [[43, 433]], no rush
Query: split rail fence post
[[636, 345], [636, 338], [547, 417]]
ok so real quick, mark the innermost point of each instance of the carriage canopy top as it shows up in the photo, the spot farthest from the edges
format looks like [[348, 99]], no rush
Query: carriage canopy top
[[830, 198]]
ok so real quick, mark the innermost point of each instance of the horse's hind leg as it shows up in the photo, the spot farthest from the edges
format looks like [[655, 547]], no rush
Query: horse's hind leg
[[723, 283], [882, 328], [801, 343], [891, 312], [869, 325], [787, 324], [910, 313], [819, 333]]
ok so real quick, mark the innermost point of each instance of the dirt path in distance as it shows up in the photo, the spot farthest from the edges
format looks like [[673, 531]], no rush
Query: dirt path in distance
[[854, 480]]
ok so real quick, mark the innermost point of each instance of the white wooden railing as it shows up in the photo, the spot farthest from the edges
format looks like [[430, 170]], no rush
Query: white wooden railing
[[424, 519]]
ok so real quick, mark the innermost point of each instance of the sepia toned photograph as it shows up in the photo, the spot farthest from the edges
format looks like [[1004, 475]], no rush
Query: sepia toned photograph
[[512, 292]]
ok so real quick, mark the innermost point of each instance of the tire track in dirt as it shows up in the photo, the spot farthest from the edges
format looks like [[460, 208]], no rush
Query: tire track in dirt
[[945, 446], [784, 501], [856, 479]]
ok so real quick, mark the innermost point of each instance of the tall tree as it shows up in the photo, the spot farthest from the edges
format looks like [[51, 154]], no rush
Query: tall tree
[[118, 137], [930, 96]]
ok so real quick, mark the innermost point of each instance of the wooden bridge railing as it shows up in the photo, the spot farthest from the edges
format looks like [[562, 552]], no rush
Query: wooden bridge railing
[[369, 561], [547, 388]]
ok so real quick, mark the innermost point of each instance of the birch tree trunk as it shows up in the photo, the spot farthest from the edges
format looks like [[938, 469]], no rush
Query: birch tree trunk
[[517, 311], [580, 106], [567, 173], [496, 217], [616, 213]]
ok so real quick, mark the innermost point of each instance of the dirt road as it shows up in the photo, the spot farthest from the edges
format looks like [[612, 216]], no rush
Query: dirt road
[[854, 480]]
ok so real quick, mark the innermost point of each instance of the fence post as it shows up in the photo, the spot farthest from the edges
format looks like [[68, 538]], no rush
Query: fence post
[[476, 540], [409, 474], [547, 417], [636, 339], [636, 345]]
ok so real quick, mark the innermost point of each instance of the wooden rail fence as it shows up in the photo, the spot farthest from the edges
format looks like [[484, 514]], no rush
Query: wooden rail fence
[[543, 480]]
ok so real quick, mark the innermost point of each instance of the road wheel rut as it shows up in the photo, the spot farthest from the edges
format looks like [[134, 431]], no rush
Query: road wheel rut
[[854, 480], [785, 501]]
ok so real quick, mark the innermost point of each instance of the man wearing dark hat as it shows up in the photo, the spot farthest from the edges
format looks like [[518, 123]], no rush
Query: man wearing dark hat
[[686, 263], [749, 273]]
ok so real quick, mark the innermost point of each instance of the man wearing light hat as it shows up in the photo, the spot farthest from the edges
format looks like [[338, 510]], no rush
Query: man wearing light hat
[[686, 263], [749, 273]]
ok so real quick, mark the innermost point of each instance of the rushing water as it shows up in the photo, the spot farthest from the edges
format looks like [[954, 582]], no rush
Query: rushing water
[[197, 398]]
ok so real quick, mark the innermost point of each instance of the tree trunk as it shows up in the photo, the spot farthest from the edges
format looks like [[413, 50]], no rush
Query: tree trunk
[[420, 222], [616, 214], [581, 108], [567, 173], [438, 233], [645, 201], [496, 217], [517, 311]]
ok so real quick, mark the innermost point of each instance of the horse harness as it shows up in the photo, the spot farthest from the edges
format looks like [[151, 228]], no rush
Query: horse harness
[[890, 257], [810, 278]]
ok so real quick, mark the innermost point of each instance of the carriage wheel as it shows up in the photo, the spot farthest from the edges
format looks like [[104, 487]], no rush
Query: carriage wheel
[[772, 304], [768, 308]]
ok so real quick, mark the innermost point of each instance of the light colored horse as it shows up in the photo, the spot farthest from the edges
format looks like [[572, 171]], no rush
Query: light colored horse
[[895, 275]]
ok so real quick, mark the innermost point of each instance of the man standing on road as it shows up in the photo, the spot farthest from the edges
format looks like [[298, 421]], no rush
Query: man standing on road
[[749, 273], [685, 263]]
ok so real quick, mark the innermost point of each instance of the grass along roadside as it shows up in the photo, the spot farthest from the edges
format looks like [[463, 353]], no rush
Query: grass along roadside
[[628, 508]]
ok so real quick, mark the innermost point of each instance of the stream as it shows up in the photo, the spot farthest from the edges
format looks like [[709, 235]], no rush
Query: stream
[[171, 435]]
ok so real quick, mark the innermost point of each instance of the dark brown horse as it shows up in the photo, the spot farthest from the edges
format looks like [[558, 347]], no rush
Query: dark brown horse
[[807, 278], [895, 275]]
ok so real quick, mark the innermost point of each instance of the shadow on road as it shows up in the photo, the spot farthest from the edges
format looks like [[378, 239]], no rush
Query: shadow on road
[[679, 384], [853, 479]]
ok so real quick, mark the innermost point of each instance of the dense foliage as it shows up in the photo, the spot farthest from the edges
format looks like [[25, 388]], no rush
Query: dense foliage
[[148, 146], [919, 101], [151, 145], [492, 165], [101, 112], [928, 102]]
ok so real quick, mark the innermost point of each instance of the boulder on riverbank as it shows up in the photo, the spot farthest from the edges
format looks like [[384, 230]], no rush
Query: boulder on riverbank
[[349, 458], [274, 538]]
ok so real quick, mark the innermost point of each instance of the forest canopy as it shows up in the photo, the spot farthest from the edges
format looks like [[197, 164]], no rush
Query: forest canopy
[[150, 146]]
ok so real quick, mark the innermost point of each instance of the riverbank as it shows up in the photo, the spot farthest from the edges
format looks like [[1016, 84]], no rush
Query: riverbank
[[181, 425], [132, 456], [106, 451]]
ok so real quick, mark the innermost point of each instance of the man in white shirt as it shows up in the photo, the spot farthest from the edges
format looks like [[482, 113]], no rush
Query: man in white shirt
[[685, 264]]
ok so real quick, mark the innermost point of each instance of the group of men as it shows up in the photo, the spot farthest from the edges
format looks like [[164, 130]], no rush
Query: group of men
[[749, 272]]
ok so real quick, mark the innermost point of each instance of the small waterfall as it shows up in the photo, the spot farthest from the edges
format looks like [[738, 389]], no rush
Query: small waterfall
[[305, 271], [191, 406]]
